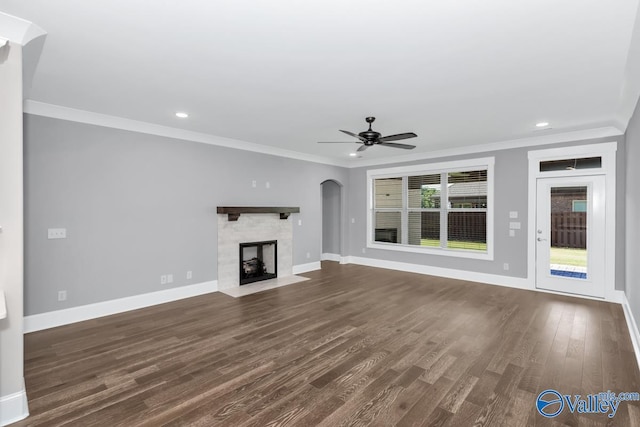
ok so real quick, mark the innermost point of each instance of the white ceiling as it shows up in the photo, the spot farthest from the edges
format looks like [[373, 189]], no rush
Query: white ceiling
[[288, 73]]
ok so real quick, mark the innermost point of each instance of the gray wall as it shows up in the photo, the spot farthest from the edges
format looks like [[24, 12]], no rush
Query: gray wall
[[331, 227], [138, 206], [632, 227], [510, 194]]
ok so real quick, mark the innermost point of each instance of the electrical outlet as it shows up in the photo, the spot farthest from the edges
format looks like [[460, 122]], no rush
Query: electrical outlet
[[308, 254], [163, 280], [267, 184], [505, 266], [512, 233], [189, 274], [364, 250], [299, 222], [353, 220], [62, 295], [254, 183], [57, 233], [169, 278]]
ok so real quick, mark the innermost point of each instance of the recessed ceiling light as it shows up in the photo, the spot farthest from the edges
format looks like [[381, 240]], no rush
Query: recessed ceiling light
[[353, 154], [182, 115], [542, 124]]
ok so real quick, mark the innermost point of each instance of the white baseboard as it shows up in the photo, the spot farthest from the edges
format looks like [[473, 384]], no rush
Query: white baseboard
[[303, 268], [615, 296], [38, 322], [14, 407], [633, 328], [492, 279], [472, 276], [52, 319], [330, 257]]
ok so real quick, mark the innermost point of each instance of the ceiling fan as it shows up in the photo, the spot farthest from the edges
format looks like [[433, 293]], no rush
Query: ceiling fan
[[371, 137]]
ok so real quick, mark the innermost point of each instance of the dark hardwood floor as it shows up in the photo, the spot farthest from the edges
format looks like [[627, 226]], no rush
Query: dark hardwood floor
[[353, 346]]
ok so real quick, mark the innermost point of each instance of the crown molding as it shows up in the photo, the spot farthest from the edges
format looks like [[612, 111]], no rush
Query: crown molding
[[18, 30], [556, 138], [81, 116]]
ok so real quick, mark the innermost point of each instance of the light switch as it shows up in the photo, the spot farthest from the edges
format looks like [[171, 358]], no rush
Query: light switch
[[514, 225], [513, 214]]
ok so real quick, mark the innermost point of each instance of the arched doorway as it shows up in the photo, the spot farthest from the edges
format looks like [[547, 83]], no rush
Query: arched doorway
[[331, 220]]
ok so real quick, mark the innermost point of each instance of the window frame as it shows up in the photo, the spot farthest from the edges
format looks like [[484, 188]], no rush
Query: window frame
[[404, 172]]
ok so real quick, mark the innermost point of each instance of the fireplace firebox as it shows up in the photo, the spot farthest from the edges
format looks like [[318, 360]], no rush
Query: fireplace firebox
[[258, 261]]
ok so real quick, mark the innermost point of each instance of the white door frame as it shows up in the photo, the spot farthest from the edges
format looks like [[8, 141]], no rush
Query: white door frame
[[607, 151]]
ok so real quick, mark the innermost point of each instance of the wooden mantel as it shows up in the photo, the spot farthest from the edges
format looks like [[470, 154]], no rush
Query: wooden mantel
[[235, 211]]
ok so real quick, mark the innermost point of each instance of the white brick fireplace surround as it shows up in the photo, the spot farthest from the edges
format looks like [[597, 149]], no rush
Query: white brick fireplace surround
[[251, 227]]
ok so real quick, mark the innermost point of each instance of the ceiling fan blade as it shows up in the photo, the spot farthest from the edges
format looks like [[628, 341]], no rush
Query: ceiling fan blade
[[397, 137], [337, 142], [364, 147], [396, 145], [355, 135]]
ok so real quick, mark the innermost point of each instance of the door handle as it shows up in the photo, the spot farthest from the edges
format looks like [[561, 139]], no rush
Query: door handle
[[540, 239]]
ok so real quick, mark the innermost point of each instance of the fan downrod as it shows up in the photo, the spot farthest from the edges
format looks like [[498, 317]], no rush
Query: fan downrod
[[370, 120]]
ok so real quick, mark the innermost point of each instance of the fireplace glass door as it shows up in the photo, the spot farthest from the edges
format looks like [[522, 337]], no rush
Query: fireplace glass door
[[258, 261]]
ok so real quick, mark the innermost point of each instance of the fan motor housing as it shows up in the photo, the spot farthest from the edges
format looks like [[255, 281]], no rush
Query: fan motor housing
[[371, 136]]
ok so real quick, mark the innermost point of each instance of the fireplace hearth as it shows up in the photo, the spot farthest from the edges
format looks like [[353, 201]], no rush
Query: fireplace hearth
[[258, 261]]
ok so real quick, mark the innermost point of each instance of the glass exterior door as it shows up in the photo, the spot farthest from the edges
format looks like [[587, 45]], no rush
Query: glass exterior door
[[570, 235]]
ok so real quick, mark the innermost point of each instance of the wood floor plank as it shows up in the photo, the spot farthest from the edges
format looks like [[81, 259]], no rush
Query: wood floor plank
[[484, 388], [466, 415], [353, 345], [403, 403], [359, 405], [454, 399], [421, 411]]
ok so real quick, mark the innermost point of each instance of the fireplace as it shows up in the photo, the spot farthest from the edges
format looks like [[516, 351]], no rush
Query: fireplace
[[252, 227], [258, 261]]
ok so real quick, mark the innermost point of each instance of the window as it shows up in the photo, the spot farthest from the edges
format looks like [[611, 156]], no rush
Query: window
[[440, 208], [571, 164]]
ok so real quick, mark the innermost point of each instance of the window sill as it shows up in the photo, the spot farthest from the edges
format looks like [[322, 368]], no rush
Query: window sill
[[456, 253]]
